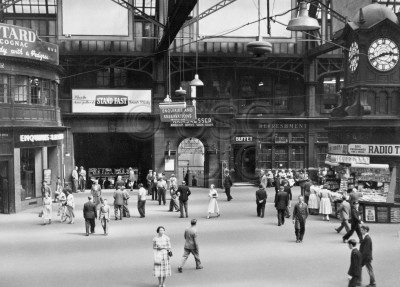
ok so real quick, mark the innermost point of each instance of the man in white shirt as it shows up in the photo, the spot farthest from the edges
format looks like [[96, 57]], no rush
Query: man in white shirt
[[161, 189], [141, 200]]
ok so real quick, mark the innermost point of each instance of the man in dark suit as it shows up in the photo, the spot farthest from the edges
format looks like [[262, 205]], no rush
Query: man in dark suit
[[227, 185], [355, 223], [184, 193], [261, 200], [118, 202], [366, 252], [355, 265], [191, 246], [307, 186], [90, 214], [281, 203]]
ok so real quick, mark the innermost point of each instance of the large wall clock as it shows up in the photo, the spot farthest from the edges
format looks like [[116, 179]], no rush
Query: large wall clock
[[353, 56], [383, 54]]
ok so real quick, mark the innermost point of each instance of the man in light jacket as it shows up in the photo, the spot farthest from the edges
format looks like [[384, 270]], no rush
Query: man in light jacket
[[344, 214], [191, 246]]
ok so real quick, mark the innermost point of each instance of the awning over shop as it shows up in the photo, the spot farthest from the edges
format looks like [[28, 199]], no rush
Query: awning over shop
[[373, 165]]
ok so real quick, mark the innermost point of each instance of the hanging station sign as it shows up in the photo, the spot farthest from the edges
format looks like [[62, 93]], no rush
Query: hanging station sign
[[21, 42], [374, 149], [111, 101], [183, 114], [199, 122]]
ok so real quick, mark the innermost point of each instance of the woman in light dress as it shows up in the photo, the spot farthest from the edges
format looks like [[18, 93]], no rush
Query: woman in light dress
[[62, 200], [162, 266], [47, 209], [325, 207], [213, 204], [313, 201]]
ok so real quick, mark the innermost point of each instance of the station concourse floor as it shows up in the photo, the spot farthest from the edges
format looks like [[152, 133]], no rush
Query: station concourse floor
[[236, 249]]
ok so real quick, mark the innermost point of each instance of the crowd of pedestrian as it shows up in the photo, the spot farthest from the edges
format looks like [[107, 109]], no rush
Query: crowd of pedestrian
[[314, 199]]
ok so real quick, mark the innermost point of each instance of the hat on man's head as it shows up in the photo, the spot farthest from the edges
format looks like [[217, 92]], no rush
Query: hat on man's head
[[193, 221], [81, 166], [183, 182]]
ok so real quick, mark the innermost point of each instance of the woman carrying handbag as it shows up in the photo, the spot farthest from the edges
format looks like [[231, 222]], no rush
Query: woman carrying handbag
[[162, 253]]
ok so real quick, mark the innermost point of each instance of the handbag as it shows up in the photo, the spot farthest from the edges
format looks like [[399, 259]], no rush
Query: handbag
[[41, 213], [170, 254]]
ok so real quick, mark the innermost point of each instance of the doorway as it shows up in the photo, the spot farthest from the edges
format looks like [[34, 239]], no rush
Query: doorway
[[4, 188], [191, 162], [245, 163]]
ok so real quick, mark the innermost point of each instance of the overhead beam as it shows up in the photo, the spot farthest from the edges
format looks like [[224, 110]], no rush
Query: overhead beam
[[137, 12], [209, 11], [176, 18]]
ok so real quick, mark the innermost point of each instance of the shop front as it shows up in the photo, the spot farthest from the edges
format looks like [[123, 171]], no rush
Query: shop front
[[372, 169], [31, 131], [277, 144]]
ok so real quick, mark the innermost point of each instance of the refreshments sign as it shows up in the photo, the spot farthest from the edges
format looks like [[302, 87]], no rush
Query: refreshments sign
[[21, 42], [111, 101]]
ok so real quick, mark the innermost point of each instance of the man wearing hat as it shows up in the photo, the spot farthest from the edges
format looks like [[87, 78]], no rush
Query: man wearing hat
[[90, 214], [184, 193]]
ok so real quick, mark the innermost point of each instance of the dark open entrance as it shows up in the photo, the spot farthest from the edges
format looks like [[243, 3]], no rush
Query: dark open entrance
[[118, 150], [245, 163]]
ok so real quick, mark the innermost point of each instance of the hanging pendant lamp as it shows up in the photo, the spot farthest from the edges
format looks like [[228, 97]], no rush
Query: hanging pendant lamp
[[180, 92], [259, 48], [303, 22], [196, 82]]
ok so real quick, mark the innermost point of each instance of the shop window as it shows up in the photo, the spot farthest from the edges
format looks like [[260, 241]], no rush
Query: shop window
[[46, 92], [36, 93], [322, 137], [103, 78], [281, 138], [20, 89], [119, 78], [281, 96], [53, 94], [27, 173], [281, 157], [265, 157], [4, 89], [298, 138], [298, 157], [321, 151]]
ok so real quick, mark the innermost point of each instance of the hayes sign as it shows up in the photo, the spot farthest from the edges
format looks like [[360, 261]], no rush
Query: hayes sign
[[22, 42]]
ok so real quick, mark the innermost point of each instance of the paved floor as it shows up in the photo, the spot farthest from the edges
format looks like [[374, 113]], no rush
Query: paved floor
[[237, 249]]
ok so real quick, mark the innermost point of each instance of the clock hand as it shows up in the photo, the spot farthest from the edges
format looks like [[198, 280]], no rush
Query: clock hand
[[383, 54]]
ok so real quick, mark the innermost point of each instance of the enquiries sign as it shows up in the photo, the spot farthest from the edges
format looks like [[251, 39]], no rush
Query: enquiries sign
[[111, 101], [22, 42]]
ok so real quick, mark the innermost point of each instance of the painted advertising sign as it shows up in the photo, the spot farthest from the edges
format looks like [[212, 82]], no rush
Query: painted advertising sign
[[199, 122], [331, 158], [281, 125], [21, 42], [178, 114], [111, 101], [370, 214], [374, 149], [337, 148]]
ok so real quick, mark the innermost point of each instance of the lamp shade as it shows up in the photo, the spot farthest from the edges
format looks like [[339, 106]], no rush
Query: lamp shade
[[196, 82], [259, 47], [303, 22], [180, 92]]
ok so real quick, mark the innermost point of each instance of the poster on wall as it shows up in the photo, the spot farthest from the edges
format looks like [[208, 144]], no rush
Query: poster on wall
[[47, 176], [111, 101], [370, 214], [169, 164]]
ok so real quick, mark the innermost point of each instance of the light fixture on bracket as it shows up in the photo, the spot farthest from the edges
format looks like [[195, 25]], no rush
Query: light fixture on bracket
[[196, 82], [259, 48], [303, 22]]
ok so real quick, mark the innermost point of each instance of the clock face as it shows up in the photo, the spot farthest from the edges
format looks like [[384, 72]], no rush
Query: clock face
[[353, 56], [383, 54]]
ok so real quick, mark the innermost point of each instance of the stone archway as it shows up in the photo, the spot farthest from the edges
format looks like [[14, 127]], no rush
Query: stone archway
[[191, 158]]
